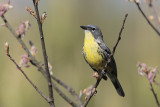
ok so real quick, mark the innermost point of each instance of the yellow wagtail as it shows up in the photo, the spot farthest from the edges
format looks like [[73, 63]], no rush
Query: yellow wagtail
[[96, 54]]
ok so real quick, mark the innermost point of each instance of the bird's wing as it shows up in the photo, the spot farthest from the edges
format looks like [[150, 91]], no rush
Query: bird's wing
[[106, 51]]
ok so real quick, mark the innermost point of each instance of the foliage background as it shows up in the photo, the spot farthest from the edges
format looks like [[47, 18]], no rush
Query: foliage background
[[64, 41]]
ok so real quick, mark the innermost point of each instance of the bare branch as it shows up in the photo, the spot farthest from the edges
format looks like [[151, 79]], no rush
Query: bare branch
[[156, 30], [44, 55], [120, 33], [32, 59], [64, 96], [93, 91], [154, 13], [36, 88], [69, 88], [155, 95]]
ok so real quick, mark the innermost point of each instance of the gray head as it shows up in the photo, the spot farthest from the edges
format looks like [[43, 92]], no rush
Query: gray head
[[95, 30]]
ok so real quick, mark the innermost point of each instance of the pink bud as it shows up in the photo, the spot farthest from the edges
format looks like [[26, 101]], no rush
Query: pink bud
[[150, 77], [33, 50], [25, 59], [4, 8]]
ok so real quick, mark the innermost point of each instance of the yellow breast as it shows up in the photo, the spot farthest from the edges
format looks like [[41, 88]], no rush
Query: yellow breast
[[90, 50]]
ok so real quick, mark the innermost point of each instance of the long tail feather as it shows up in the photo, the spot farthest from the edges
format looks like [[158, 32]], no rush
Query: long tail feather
[[118, 87]]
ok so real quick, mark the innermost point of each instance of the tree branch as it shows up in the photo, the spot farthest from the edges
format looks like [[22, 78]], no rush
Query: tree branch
[[36, 88], [33, 59], [64, 96], [154, 13], [44, 55], [155, 95], [156, 30], [120, 33], [69, 88], [93, 90]]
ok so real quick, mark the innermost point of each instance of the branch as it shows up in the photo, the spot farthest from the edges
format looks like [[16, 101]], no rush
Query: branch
[[156, 30], [33, 60], [155, 95], [154, 13], [64, 96], [120, 33], [70, 89], [93, 90], [44, 55], [36, 88]]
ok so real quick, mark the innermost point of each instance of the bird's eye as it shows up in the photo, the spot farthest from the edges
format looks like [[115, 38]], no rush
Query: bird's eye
[[93, 29]]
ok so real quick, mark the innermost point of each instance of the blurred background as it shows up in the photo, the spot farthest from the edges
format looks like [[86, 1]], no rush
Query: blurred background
[[64, 42]]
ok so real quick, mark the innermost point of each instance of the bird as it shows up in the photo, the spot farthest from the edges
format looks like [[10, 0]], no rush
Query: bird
[[96, 53]]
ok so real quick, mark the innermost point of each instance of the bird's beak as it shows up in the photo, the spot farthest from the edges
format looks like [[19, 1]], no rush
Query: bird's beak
[[84, 27]]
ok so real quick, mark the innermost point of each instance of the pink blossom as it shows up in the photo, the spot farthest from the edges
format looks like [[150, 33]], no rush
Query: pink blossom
[[23, 28], [142, 68], [4, 7], [148, 72], [152, 74], [24, 61]]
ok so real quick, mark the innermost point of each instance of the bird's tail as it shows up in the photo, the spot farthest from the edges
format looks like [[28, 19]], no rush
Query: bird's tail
[[118, 87]]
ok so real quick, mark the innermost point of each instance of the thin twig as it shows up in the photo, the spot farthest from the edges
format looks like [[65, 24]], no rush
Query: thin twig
[[108, 61], [70, 89], [154, 13], [44, 55], [156, 30], [36, 88], [93, 90], [155, 95], [120, 33], [64, 96], [33, 60]]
